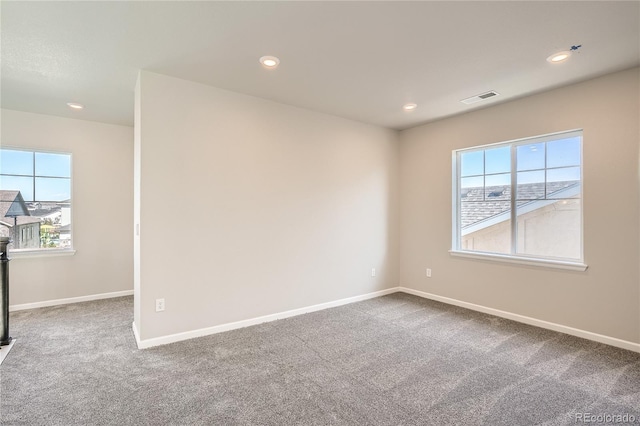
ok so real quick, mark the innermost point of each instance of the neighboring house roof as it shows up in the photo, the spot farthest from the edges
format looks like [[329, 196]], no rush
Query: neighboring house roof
[[46, 212], [13, 210], [25, 220], [483, 207], [12, 204]]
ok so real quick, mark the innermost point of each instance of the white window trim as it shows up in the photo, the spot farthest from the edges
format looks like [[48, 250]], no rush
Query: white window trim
[[31, 253], [48, 252], [573, 265], [521, 260]]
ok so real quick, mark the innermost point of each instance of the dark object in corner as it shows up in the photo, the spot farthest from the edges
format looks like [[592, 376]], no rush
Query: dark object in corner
[[5, 339]]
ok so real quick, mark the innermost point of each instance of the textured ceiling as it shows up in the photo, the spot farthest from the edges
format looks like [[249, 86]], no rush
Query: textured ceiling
[[359, 60]]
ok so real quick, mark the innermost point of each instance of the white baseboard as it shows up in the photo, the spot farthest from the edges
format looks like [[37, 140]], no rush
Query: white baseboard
[[142, 344], [46, 303], [172, 338], [619, 343]]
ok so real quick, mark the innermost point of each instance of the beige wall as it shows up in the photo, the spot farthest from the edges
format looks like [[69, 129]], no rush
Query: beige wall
[[605, 299], [287, 208], [102, 205], [300, 206]]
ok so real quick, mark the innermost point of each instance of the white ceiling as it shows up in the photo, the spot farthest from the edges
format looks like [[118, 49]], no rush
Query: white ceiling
[[359, 60]]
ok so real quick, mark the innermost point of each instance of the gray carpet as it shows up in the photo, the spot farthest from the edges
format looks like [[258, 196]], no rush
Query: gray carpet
[[393, 360]]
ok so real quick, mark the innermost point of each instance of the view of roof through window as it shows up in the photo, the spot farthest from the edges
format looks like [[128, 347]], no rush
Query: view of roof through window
[[35, 199], [547, 176]]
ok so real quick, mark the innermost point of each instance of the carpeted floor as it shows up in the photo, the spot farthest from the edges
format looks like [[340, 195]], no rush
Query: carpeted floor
[[393, 360]]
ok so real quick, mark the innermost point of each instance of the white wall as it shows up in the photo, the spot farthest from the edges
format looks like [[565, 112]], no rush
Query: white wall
[[102, 204], [605, 299], [249, 207]]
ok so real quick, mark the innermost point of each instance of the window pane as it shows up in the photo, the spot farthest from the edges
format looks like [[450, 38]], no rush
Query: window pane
[[14, 162], [498, 187], [472, 163], [550, 229], [18, 183], [472, 188], [564, 174], [485, 221], [53, 189], [563, 182], [531, 185], [55, 223], [498, 160], [486, 226], [472, 182], [53, 164], [564, 152], [530, 156]]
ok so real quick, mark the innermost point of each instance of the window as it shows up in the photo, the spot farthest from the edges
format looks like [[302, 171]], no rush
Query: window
[[520, 200], [35, 199]]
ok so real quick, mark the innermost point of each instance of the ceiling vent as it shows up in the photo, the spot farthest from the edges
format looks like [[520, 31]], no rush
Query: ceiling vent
[[480, 97]]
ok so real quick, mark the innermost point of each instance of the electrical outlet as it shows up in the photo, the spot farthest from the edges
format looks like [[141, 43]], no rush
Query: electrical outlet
[[159, 305], [373, 272], [428, 272]]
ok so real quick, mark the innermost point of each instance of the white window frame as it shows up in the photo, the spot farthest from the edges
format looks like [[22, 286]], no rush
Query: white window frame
[[47, 252], [513, 257]]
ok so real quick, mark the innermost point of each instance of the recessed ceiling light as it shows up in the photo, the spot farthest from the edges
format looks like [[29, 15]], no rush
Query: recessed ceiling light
[[270, 62], [74, 105], [409, 107], [559, 57]]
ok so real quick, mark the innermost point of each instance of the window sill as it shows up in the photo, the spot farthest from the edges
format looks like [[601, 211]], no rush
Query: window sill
[[529, 261], [28, 254]]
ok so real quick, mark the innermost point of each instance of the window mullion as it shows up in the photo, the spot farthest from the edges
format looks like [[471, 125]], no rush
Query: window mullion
[[514, 190], [456, 218], [34, 178]]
